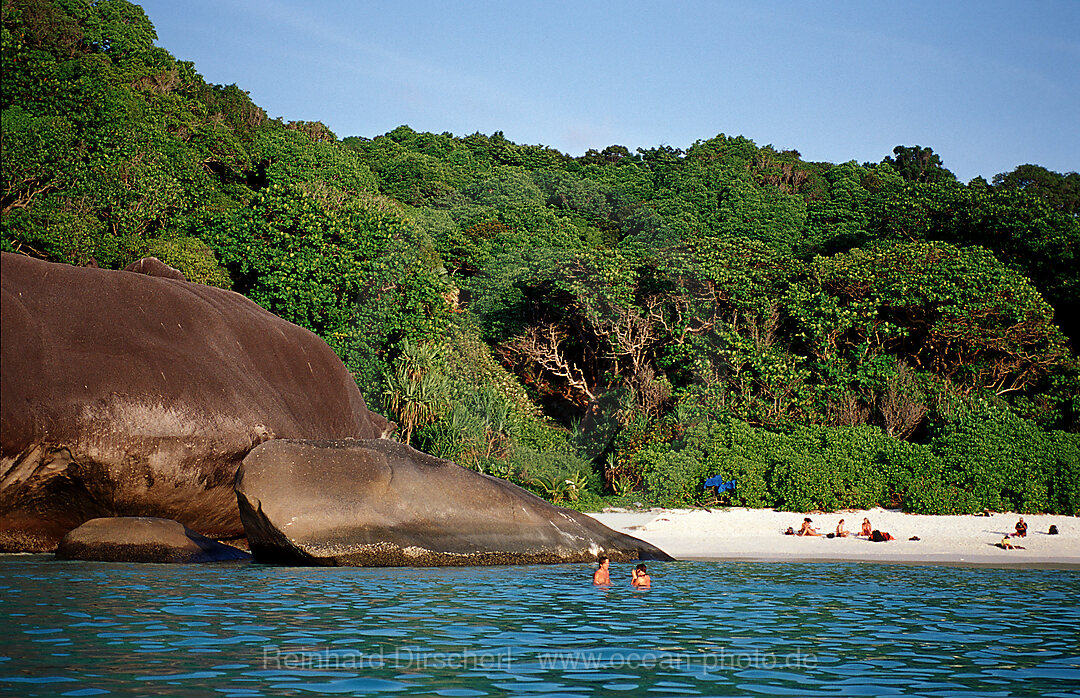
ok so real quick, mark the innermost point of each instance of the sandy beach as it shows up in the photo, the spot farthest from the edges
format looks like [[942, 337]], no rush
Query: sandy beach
[[758, 535]]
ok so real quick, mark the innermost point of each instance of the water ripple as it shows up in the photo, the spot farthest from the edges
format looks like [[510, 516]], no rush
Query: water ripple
[[704, 629]]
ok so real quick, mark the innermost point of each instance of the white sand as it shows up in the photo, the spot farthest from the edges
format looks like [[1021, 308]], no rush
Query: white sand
[[757, 534]]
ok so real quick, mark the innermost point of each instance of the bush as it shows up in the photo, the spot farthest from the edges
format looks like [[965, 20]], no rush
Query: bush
[[546, 473], [736, 451], [829, 468], [932, 495], [1003, 461], [674, 477], [193, 258], [1064, 495]]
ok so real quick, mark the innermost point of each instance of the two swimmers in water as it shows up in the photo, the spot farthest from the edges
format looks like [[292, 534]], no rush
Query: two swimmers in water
[[639, 578]]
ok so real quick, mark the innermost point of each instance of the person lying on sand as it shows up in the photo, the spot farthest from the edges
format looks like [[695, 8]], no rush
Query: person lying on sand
[[842, 532], [807, 529], [880, 536], [640, 577], [1006, 545], [1021, 528], [867, 530]]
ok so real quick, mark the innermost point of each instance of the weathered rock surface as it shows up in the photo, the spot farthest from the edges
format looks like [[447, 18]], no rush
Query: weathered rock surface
[[152, 266], [127, 394], [142, 539], [377, 502]]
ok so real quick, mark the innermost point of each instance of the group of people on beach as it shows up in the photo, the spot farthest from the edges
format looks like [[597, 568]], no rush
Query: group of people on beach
[[873, 534], [1021, 529], [866, 531], [639, 578], [1021, 532]]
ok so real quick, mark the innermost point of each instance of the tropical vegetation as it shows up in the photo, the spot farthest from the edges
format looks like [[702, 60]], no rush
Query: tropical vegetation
[[616, 325]]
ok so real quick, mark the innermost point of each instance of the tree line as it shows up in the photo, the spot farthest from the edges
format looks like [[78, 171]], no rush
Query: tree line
[[620, 324]]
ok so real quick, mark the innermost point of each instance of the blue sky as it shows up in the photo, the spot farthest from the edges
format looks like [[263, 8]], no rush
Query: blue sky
[[988, 85]]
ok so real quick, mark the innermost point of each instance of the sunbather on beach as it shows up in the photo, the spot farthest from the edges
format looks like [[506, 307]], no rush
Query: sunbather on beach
[[867, 529], [1006, 545], [807, 529], [640, 578], [842, 532], [1021, 528]]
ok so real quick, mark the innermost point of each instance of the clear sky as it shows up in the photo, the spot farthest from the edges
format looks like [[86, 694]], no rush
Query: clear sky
[[987, 84]]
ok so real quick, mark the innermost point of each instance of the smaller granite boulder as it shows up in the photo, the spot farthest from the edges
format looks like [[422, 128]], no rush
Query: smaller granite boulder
[[142, 539], [375, 502], [152, 266]]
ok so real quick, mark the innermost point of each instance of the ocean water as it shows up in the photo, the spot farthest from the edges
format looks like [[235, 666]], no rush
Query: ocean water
[[705, 628]]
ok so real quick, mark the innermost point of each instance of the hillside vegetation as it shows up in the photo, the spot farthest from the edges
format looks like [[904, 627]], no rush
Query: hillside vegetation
[[621, 324]]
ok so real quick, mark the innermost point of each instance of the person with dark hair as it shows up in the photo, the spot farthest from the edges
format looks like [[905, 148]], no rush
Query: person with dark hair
[[807, 529], [842, 532], [866, 528], [640, 577], [601, 575], [1021, 528]]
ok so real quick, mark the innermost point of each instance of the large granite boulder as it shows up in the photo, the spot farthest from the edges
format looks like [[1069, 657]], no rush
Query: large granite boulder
[[142, 539], [128, 394], [377, 502]]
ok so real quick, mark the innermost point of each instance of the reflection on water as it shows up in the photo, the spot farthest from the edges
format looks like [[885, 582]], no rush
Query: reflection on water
[[705, 628]]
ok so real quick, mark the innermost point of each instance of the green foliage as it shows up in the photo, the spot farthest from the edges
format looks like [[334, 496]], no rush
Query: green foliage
[[415, 392], [827, 334], [339, 271], [192, 257], [286, 156], [1003, 462], [1060, 191], [917, 164], [671, 476], [829, 468]]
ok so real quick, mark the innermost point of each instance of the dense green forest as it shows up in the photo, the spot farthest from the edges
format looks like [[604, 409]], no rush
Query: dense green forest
[[597, 328]]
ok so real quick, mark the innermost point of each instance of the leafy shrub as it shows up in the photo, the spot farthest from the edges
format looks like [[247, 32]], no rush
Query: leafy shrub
[[672, 476], [736, 451], [193, 258], [527, 467], [933, 495], [1064, 448], [1001, 459]]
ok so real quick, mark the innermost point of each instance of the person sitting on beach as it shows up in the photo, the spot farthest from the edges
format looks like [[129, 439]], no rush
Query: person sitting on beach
[[1021, 528], [601, 575], [867, 530], [640, 577], [1006, 545], [807, 529], [842, 532]]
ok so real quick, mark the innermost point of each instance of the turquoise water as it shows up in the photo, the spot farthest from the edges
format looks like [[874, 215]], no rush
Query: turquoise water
[[706, 628]]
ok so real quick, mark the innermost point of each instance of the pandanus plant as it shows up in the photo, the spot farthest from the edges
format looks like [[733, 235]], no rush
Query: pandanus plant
[[414, 391]]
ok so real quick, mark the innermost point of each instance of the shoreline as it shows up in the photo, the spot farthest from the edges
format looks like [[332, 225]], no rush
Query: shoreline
[[757, 535]]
